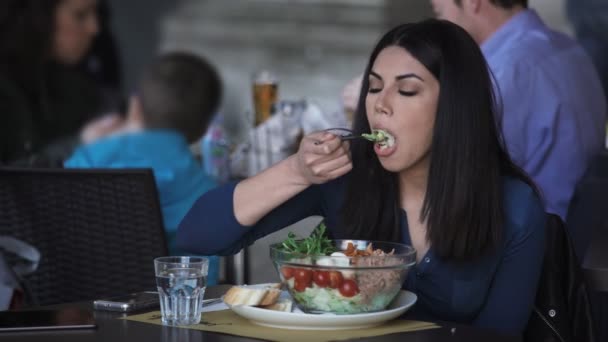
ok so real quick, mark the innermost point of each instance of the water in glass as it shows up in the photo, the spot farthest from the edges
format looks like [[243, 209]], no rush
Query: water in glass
[[181, 293]]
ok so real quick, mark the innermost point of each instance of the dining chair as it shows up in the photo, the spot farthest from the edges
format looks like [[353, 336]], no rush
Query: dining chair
[[562, 310], [587, 211], [587, 219], [97, 231]]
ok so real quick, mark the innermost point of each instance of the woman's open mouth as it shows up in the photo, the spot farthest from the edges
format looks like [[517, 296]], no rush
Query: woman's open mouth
[[384, 141], [381, 137]]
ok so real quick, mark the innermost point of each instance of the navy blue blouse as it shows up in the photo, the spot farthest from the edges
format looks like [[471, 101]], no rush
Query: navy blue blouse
[[496, 291]]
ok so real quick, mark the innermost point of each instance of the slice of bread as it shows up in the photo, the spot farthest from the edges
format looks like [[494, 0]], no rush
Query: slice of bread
[[284, 305], [253, 295], [271, 297]]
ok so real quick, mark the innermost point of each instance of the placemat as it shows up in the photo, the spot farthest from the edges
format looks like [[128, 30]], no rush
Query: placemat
[[227, 322]]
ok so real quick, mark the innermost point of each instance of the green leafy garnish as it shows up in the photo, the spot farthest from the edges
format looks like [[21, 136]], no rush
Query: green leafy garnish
[[316, 244], [377, 136]]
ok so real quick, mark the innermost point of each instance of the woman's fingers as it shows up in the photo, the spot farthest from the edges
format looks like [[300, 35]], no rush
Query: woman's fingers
[[315, 158], [322, 156], [340, 171], [324, 169], [323, 144]]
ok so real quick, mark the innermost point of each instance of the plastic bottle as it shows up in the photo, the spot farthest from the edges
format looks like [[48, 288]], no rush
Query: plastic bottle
[[216, 151]]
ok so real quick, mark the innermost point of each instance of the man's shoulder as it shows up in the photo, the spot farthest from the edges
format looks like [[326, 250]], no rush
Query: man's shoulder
[[109, 151], [541, 62], [93, 154], [536, 49], [111, 142]]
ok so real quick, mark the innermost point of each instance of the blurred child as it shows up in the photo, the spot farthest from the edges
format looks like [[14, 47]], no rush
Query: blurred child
[[178, 95]]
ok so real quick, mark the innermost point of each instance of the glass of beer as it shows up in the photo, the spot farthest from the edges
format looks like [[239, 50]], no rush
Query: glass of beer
[[265, 95]]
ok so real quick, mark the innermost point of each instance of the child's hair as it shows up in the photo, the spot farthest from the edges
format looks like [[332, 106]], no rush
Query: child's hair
[[180, 91]]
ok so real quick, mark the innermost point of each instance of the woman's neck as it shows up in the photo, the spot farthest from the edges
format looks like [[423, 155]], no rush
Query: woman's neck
[[412, 187]]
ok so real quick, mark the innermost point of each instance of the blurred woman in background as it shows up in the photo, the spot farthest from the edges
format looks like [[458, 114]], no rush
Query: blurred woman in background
[[44, 100]]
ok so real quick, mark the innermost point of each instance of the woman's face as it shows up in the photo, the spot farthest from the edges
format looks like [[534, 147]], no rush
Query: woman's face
[[75, 28], [402, 100]]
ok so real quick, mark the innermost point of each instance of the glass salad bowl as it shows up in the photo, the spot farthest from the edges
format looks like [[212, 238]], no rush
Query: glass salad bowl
[[357, 276]]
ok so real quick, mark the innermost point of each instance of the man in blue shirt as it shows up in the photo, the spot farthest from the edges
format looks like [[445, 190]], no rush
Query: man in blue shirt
[[553, 106], [177, 98]]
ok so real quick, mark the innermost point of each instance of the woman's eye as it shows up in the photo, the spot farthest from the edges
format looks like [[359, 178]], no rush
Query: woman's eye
[[374, 90], [407, 93]]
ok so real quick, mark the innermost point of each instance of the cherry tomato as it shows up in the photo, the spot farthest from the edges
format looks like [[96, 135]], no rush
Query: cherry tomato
[[303, 275], [287, 272], [299, 286], [335, 279], [349, 288], [321, 278]]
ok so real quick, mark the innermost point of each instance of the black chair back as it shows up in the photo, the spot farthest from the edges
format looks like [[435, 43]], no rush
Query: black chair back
[[98, 231], [562, 311], [587, 215], [587, 208]]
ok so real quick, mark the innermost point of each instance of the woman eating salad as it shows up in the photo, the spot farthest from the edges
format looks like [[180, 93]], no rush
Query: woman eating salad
[[435, 176]]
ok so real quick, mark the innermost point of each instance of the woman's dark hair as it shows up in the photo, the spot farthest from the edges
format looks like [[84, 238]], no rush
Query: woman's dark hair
[[463, 206], [180, 91], [26, 38]]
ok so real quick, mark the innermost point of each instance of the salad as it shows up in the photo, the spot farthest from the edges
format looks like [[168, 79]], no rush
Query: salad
[[322, 278], [381, 137]]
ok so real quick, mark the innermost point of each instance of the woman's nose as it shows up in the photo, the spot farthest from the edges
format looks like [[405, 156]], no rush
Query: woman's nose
[[381, 106]]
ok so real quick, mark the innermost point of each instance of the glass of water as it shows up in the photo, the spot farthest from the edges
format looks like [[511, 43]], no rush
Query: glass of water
[[181, 282]]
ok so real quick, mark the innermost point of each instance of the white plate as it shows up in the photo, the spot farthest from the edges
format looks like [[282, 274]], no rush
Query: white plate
[[303, 321]]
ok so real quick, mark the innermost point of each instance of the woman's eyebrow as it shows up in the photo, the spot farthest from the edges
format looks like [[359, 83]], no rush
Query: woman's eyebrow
[[399, 77], [410, 75]]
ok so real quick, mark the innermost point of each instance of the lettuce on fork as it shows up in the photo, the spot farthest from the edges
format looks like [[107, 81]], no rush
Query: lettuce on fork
[[381, 137]]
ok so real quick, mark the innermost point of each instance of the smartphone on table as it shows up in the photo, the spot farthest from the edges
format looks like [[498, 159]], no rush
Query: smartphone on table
[[32, 320], [131, 302]]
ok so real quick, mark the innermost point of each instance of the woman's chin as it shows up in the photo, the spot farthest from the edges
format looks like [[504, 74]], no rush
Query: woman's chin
[[393, 165], [387, 159]]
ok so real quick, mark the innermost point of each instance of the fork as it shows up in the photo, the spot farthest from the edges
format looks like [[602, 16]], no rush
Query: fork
[[344, 137], [212, 301]]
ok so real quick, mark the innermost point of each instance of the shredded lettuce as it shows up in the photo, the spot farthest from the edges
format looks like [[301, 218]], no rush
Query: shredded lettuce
[[327, 300], [318, 299], [377, 136]]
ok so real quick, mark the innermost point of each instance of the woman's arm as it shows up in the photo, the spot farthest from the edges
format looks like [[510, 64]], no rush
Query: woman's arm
[[227, 219], [511, 297], [321, 157]]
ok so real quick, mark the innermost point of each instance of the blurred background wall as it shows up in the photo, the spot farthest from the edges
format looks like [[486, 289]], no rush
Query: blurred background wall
[[314, 46]]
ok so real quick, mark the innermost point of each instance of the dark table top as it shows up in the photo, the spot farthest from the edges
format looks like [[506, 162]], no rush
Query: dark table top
[[117, 330]]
